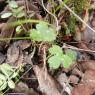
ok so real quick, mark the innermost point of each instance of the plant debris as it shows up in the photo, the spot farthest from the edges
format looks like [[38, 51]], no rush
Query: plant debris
[[47, 47]]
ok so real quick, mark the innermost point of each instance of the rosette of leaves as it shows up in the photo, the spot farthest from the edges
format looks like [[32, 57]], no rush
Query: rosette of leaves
[[58, 58]]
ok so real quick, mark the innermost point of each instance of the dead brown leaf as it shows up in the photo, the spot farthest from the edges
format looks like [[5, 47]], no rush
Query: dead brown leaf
[[6, 32], [63, 80], [2, 57], [23, 88], [88, 65], [46, 83], [13, 54], [87, 84], [24, 44]]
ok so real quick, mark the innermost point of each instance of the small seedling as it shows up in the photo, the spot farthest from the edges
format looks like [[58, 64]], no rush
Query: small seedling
[[58, 58]]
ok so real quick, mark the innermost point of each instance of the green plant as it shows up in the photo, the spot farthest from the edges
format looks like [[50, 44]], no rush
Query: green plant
[[15, 10], [72, 24], [59, 58], [46, 33], [7, 74], [43, 33], [80, 5]]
